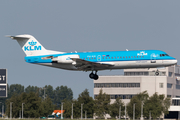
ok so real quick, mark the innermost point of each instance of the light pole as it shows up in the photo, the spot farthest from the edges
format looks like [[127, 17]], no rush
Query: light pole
[[125, 111], [134, 111], [2, 104], [85, 114], [2, 110], [142, 110], [120, 112], [155, 79], [11, 110], [44, 93], [149, 115], [81, 110], [19, 114], [72, 111], [22, 110], [62, 110]]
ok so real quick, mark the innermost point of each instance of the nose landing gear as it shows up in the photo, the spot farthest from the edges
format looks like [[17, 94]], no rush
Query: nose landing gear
[[93, 76], [157, 72]]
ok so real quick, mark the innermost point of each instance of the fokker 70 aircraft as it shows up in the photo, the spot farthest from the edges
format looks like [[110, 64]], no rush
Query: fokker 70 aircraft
[[92, 61]]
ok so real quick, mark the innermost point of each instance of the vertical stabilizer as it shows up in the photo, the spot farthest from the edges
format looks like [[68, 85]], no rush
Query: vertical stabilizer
[[30, 45]]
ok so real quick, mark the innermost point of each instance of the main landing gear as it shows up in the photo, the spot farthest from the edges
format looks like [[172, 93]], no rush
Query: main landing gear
[[93, 76], [157, 72]]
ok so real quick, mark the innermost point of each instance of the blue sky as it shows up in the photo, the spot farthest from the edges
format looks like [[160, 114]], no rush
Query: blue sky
[[80, 25]]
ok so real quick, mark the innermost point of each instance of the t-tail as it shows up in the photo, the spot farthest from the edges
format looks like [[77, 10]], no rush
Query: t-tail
[[31, 46]]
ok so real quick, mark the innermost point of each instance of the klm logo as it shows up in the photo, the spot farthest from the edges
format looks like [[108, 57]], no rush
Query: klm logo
[[32, 46], [142, 53]]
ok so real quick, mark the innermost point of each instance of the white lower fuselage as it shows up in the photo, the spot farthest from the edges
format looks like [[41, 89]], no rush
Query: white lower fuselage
[[118, 64]]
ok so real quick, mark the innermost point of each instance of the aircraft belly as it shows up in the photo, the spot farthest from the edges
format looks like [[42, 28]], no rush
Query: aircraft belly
[[61, 66], [137, 64], [117, 65]]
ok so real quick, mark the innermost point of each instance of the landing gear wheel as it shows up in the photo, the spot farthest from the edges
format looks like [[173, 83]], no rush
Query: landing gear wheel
[[91, 75], [157, 73], [96, 77]]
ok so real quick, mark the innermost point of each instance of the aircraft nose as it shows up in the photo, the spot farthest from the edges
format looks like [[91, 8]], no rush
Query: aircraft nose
[[174, 61]]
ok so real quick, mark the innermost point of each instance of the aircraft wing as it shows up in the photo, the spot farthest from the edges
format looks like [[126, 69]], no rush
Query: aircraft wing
[[87, 65]]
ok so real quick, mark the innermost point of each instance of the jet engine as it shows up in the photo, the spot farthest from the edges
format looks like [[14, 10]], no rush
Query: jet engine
[[64, 59]]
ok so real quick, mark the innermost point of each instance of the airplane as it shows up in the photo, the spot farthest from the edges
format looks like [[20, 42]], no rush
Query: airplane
[[92, 61]]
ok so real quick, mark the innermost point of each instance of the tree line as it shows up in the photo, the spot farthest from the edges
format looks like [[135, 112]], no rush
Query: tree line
[[55, 95], [35, 105], [100, 106]]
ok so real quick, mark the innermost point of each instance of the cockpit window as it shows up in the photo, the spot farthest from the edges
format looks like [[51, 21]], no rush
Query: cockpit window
[[162, 55]]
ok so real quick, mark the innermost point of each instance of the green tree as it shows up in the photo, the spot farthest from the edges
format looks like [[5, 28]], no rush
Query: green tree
[[139, 99], [114, 108], [101, 104], [61, 93], [143, 96], [15, 106], [46, 107], [16, 89], [50, 92], [88, 103], [32, 89], [157, 104], [76, 109], [31, 107], [67, 106], [137, 102]]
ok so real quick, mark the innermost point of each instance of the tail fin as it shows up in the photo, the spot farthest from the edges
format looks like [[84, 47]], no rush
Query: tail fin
[[30, 45]]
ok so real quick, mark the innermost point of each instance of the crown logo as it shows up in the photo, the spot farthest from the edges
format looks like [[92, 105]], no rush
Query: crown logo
[[32, 43]]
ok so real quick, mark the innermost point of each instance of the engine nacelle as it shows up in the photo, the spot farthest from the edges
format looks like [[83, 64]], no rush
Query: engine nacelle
[[65, 58]]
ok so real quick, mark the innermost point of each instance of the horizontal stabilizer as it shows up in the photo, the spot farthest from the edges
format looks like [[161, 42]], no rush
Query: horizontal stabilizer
[[17, 37]]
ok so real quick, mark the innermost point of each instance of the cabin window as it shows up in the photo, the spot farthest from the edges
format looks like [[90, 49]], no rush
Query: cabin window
[[103, 58], [123, 57], [89, 58], [112, 57], [94, 58], [109, 57], [137, 56], [106, 57], [134, 56], [142, 56], [86, 58], [117, 57]]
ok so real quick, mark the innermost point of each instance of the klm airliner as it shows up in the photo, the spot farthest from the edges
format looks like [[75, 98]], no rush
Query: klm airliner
[[92, 61]]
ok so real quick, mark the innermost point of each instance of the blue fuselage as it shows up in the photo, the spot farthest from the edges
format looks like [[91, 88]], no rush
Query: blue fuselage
[[118, 59]]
